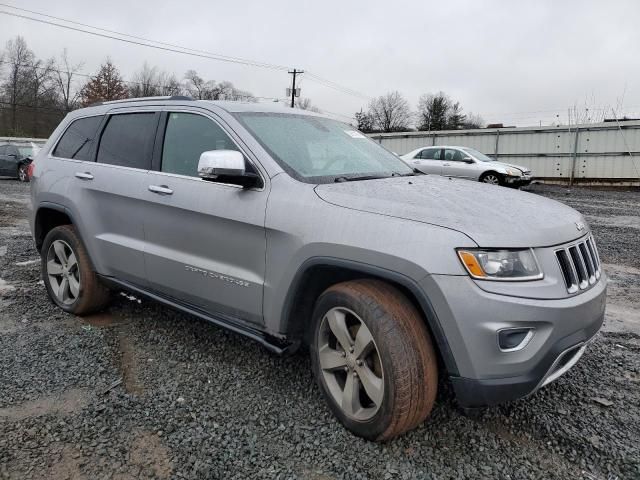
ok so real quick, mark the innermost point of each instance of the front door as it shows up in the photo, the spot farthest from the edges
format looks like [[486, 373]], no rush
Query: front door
[[205, 241], [454, 164]]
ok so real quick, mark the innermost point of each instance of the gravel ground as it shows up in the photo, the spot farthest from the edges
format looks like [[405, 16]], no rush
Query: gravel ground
[[141, 391]]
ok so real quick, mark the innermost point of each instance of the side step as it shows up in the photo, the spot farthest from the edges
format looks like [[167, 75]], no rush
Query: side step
[[270, 342]]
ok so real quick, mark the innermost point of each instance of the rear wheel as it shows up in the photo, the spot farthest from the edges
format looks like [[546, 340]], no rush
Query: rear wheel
[[68, 276], [23, 176], [492, 178], [373, 359]]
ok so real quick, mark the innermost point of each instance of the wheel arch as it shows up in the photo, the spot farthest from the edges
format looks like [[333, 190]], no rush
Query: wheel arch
[[48, 216], [317, 274]]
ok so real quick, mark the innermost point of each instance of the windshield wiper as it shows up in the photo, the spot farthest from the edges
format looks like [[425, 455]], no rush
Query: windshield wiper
[[411, 174], [355, 179]]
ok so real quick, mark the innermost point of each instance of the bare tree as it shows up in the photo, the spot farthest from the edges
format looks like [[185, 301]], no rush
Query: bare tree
[[364, 122], [16, 87], [145, 82], [41, 88], [390, 112], [305, 104], [64, 72], [474, 120], [197, 86]]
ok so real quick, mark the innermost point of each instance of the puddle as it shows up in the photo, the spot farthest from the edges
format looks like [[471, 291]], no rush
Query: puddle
[[63, 403], [128, 365], [102, 320]]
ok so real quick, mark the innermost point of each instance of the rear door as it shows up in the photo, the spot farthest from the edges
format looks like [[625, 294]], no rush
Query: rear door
[[108, 193], [205, 241], [428, 161]]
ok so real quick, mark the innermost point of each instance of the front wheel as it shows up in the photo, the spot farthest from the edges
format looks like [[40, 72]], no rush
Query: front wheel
[[373, 359], [23, 176], [492, 178]]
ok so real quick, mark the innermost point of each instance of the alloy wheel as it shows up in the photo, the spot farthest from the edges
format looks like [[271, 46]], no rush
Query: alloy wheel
[[63, 272], [350, 363], [492, 179], [22, 173]]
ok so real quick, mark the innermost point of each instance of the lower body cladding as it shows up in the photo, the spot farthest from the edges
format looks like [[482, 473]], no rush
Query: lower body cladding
[[506, 347]]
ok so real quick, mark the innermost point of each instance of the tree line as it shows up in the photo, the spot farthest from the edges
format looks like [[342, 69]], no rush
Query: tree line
[[35, 94], [436, 111]]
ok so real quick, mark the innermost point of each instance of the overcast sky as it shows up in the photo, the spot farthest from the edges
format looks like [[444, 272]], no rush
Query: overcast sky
[[514, 62]]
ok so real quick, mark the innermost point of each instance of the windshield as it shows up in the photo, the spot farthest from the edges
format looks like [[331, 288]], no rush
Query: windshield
[[478, 156], [320, 150]]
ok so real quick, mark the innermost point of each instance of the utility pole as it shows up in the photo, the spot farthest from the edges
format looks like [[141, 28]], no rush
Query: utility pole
[[293, 90]]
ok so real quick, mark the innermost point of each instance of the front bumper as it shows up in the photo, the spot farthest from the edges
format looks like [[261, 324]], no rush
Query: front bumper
[[521, 181], [471, 317]]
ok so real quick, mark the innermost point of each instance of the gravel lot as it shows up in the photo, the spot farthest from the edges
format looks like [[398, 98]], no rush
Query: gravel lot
[[141, 391]]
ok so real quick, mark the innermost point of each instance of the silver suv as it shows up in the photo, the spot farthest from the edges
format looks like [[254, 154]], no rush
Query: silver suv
[[294, 229]]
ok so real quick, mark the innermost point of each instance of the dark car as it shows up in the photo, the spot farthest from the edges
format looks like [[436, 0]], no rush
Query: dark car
[[15, 160]]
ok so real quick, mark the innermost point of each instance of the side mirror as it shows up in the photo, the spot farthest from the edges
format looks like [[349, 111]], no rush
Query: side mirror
[[226, 166], [221, 162], [468, 160]]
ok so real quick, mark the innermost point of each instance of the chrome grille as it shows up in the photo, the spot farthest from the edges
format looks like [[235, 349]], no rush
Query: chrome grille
[[579, 264]]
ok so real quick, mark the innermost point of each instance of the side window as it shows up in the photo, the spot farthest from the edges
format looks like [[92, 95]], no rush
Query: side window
[[188, 135], [77, 140], [3, 149], [430, 154], [453, 155], [127, 140]]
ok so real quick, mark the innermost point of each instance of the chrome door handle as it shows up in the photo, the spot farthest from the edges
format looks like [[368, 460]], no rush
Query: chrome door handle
[[84, 176], [160, 189]]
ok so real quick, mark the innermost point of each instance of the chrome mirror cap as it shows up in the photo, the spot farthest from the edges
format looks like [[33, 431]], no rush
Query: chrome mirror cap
[[220, 162]]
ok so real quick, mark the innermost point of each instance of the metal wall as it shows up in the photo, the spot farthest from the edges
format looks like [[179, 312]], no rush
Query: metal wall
[[602, 151]]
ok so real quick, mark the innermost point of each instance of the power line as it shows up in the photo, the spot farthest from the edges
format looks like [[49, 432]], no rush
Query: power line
[[137, 40], [217, 55]]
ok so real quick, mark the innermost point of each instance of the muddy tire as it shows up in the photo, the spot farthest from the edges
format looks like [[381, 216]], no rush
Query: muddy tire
[[373, 359], [68, 274]]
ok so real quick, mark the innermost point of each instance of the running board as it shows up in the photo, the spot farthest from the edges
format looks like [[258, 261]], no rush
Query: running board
[[270, 342]]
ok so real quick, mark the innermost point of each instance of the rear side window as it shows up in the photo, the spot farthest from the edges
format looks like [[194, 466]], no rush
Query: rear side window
[[188, 135], [127, 140], [429, 154], [77, 140]]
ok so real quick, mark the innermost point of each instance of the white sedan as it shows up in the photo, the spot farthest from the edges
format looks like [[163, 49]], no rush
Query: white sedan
[[467, 163]]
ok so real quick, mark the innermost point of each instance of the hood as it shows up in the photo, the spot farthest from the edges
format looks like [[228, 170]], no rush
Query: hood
[[492, 216]]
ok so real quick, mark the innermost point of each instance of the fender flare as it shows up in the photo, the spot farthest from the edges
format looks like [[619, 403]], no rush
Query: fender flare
[[411, 285]]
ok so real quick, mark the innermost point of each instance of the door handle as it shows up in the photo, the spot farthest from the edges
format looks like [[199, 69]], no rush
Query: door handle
[[160, 189], [446, 164], [84, 176]]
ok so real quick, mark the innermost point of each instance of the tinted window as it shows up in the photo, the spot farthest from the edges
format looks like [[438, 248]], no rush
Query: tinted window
[[77, 140], [127, 140], [188, 135]]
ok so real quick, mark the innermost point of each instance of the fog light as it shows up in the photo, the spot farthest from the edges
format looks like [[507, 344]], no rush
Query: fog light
[[514, 339]]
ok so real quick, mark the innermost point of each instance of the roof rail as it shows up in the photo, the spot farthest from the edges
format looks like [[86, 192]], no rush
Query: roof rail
[[143, 99]]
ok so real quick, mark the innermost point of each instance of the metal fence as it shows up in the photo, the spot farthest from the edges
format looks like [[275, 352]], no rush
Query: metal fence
[[595, 153]]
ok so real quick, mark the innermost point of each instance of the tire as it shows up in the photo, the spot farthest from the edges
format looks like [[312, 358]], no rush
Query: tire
[[22, 172], [492, 178], [399, 365], [89, 295]]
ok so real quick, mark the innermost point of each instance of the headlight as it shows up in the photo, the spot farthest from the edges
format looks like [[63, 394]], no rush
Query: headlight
[[501, 264], [513, 173]]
